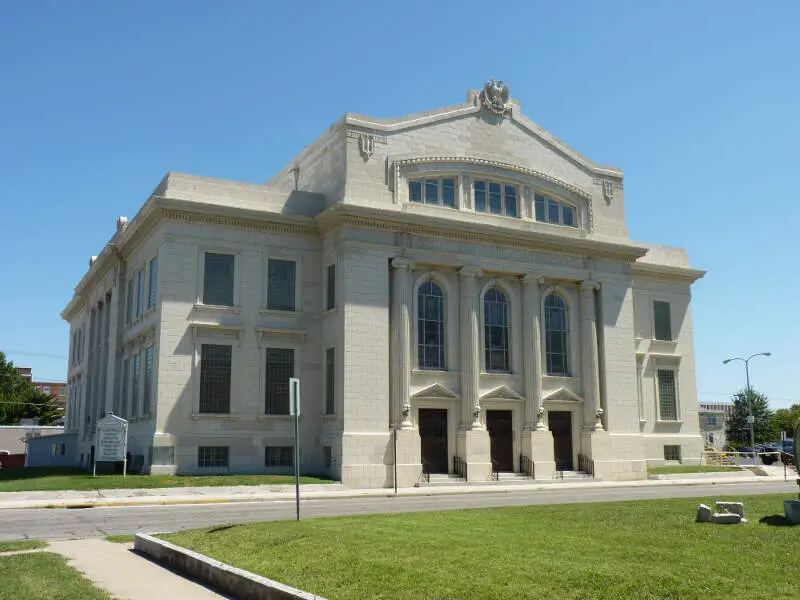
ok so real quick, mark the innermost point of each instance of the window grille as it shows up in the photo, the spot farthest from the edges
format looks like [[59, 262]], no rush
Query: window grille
[[215, 379], [280, 367]]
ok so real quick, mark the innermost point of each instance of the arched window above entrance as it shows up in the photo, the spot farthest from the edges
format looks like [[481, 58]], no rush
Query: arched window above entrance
[[430, 327], [556, 335], [496, 331]]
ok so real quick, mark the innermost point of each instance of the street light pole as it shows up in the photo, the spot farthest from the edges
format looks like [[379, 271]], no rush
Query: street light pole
[[751, 419]]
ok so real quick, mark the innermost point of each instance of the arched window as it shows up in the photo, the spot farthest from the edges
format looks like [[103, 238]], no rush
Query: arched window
[[556, 335], [430, 327], [495, 330]]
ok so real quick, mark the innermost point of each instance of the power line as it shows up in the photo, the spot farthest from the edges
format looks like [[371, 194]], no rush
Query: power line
[[34, 354]]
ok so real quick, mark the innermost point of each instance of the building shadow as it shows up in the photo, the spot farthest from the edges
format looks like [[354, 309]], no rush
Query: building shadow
[[776, 521]]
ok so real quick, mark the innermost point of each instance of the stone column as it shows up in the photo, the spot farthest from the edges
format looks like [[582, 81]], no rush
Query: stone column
[[401, 343], [537, 441], [469, 342], [589, 359], [532, 344]]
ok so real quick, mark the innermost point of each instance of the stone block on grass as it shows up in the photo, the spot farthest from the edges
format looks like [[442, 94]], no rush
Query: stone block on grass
[[726, 518], [703, 514], [731, 507]]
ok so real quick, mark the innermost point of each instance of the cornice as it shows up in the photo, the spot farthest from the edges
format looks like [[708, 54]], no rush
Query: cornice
[[423, 225], [680, 274]]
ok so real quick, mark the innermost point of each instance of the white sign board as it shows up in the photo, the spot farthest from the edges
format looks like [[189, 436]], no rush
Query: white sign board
[[294, 396], [112, 434]]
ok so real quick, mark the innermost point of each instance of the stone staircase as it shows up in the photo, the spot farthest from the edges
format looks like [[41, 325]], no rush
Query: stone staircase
[[447, 480]]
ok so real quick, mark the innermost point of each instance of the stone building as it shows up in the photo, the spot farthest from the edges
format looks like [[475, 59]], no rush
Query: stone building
[[714, 423], [459, 276]]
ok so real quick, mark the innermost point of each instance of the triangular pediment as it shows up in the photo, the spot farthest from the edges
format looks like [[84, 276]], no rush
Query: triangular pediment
[[501, 393], [562, 394], [436, 391]]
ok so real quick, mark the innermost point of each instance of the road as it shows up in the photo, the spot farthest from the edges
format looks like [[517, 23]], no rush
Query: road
[[63, 523]]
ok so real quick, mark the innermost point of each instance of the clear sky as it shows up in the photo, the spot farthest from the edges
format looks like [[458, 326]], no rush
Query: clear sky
[[696, 101]]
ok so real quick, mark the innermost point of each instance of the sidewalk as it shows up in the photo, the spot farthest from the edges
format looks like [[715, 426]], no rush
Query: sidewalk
[[199, 495], [125, 575]]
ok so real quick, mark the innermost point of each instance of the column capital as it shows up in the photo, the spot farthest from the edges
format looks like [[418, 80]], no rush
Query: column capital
[[532, 278], [588, 285], [400, 262], [468, 271]]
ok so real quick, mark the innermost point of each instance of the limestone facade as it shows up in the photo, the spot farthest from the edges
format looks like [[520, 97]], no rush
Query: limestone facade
[[455, 289]]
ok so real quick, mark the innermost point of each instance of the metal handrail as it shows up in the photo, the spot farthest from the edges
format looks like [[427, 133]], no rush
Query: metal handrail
[[460, 467], [495, 470], [585, 464], [426, 471], [526, 466]]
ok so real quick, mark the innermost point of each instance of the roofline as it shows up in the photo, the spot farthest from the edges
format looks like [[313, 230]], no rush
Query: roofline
[[669, 272]]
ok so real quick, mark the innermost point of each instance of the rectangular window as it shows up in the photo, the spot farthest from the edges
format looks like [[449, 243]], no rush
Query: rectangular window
[[215, 379], [672, 453], [46, 389], [712, 420], [212, 457], [439, 192], [667, 395], [502, 198], [480, 196], [278, 456], [123, 408], [129, 303], [153, 284], [327, 456], [330, 294], [218, 279], [662, 321], [330, 381], [415, 191], [280, 367], [136, 377], [280, 284], [140, 294], [547, 210], [148, 380]]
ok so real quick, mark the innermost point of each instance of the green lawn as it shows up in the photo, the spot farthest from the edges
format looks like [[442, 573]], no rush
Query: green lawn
[[44, 576], [644, 550], [123, 538], [689, 469], [21, 545], [50, 478]]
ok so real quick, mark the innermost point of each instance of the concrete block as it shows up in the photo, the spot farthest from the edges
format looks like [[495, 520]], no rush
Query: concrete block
[[703, 514], [736, 508], [726, 518]]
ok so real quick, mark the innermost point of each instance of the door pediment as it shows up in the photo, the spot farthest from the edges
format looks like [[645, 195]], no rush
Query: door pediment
[[562, 394], [502, 392], [435, 392]]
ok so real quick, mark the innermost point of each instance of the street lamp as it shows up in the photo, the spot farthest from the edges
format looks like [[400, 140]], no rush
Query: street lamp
[[751, 419]]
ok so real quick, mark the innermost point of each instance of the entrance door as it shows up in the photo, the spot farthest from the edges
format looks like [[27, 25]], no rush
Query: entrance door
[[561, 427], [501, 438], [433, 435]]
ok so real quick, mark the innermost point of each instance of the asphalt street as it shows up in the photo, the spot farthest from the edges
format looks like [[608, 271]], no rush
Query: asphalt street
[[63, 523]]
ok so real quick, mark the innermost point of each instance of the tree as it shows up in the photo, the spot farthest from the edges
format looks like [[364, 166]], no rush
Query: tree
[[786, 418], [20, 400], [738, 429]]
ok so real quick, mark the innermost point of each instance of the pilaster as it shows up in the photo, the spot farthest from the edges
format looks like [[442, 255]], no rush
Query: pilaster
[[592, 417], [469, 342], [401, 348], [532, 344]]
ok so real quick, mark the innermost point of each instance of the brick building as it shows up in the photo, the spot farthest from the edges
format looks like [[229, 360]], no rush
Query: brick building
[[57, 389], [460, 276]]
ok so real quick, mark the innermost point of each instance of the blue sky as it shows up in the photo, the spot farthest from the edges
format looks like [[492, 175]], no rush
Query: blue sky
[[696, 101]]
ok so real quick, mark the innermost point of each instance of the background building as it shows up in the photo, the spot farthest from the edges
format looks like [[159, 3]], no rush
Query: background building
[[460, 276], [713, 423]]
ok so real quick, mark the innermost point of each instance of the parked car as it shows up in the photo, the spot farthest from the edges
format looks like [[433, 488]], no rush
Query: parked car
[[783, 449]]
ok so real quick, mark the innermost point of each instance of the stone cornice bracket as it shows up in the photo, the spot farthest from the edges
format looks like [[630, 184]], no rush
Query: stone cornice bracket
[[589, 285], [403, 263], [470, 272], [532, 278]]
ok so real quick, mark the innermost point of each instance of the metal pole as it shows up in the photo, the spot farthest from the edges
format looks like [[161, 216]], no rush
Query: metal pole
[[394, 431], [297, 455], [752, 416]]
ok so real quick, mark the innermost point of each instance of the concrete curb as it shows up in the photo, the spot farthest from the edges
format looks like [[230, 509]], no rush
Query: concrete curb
[[220, 576], [81, 502]]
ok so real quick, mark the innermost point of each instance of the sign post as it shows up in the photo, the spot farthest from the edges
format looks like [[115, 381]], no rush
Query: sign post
[[294, 409], [111, 443]]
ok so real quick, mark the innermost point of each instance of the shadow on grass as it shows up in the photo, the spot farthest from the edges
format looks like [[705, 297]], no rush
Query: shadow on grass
[[776, 521], [16, 473]]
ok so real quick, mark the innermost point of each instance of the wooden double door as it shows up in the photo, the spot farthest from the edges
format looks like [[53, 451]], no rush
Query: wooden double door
[[501, 439], [433, 439]]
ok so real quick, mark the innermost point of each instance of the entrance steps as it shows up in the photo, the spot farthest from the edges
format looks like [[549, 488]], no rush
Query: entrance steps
[[449, 479]]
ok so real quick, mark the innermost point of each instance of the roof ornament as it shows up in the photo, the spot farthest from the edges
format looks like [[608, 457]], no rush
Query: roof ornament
[[494, 98]]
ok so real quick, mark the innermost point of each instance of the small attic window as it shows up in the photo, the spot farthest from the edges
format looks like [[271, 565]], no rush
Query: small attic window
[[434, 191], [547, 210]]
